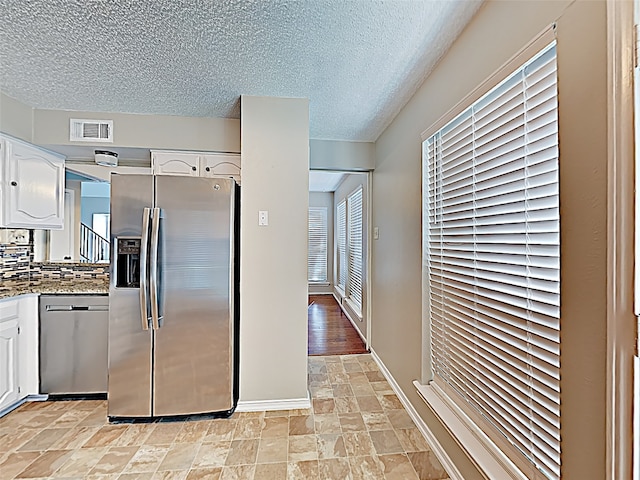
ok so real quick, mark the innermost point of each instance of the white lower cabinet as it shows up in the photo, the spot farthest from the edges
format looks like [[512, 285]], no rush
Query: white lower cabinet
[[9, 382], [18, 349]]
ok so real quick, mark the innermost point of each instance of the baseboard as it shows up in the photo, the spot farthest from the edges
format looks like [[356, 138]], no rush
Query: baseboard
[[436, 447], [346, 314], [38, 398], [28, 398], [264, 405]]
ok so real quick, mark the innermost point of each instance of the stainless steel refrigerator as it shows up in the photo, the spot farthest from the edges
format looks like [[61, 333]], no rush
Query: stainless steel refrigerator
[[173, 296]]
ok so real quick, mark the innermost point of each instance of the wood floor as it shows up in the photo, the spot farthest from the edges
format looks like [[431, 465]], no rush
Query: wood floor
[[330, 331]]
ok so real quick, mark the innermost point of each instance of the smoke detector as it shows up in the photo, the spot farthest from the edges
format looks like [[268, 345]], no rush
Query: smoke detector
[[106, 158]]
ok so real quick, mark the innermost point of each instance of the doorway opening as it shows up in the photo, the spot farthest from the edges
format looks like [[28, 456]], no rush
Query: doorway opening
[[338, 262]]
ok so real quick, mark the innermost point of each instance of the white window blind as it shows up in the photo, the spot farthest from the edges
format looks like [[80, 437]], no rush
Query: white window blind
[[317, 263], [354, 280], [493, 255], [341, 220]]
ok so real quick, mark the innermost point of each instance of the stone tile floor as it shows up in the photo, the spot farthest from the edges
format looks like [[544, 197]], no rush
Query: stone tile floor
[[357, 429]]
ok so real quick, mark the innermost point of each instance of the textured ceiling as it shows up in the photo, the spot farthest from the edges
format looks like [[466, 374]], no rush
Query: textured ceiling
[[358, 61], [321, 181]]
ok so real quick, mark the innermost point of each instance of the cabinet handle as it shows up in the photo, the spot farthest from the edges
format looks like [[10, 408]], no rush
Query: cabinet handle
[[193, 168], [208, 169], [14, 184]]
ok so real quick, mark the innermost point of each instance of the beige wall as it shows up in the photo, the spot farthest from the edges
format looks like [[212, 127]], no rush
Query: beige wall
[[498, 31], [51, 127], [348, 185], [16, 118], [582, 115], [273, 314], [325, 199], [341, 155]]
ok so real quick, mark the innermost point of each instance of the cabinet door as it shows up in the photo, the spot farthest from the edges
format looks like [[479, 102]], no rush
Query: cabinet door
[[8, 355], [175, 163], [34, 187], [220, 165], [28, 375]]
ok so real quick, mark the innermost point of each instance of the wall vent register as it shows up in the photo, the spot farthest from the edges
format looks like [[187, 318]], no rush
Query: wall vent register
[[81, 130]]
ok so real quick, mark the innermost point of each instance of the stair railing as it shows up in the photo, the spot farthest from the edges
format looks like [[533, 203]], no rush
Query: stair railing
[[94, 248]]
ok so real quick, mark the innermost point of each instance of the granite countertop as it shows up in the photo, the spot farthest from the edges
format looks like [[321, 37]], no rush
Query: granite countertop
[[68, 287]]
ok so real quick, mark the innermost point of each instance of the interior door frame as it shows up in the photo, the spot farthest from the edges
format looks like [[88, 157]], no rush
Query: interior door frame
[[65, 237], [621, 321]]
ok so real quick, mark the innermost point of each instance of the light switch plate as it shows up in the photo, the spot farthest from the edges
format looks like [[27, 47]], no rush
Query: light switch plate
[[376, 233], [263, 218]]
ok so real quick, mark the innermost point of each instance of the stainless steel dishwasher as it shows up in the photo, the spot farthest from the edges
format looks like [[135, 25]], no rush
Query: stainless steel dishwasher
[[73, 344]]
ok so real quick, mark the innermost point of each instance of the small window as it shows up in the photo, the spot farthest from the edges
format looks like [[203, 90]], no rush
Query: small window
[[341, 224], [492, 248], [317, 266], [354, 277]]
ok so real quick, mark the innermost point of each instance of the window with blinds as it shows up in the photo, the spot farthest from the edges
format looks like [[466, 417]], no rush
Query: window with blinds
[[341, 228], [492, 249], [354, 280], [317, 260]]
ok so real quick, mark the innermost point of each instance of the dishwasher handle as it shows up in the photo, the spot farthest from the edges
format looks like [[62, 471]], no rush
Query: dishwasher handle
[[71, 308]]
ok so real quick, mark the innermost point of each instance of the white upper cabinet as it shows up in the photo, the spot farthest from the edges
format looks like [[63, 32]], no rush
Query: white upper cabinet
[[175, 163], [31, 186], [196, 164], [220, 165]]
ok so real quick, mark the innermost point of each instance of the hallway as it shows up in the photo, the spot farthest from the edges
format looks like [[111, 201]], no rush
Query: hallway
[[330, 331]]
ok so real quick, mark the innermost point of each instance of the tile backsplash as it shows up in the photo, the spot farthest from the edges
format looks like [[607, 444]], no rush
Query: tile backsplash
[[14, 262], [69, 271]]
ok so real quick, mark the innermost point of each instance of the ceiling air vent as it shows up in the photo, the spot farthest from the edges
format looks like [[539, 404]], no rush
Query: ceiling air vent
[[91, 130]]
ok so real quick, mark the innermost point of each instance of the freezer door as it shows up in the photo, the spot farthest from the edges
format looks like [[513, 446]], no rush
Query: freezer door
[[130, 345], [193, 345]]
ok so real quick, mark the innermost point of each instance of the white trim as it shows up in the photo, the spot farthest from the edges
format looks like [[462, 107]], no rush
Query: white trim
[[319, 284], [346, 314], [367, 310], [264, 405], [38, 397], [23, 400], [432, 440], [480, 449], [12, 407], [354, 308], [621, 321]]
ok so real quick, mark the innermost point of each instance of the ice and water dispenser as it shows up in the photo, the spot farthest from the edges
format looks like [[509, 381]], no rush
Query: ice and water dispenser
[[128, 263]]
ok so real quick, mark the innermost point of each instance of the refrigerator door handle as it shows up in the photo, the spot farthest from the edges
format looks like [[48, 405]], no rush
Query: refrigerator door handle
[[144, 241], [155, 233]]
